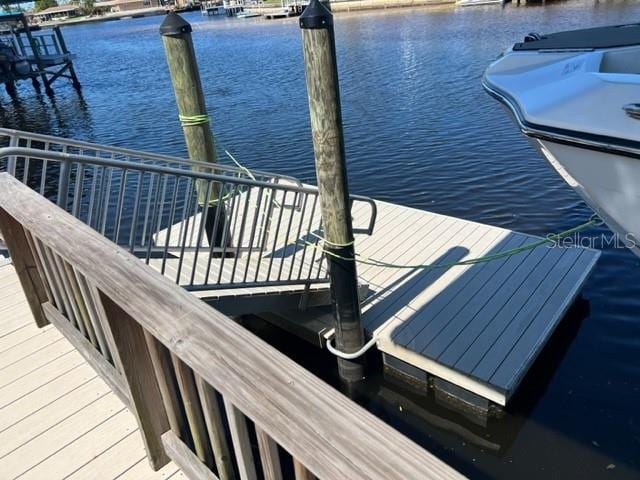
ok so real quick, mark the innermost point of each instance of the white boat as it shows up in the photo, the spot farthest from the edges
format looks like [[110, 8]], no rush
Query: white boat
[[577, 96]]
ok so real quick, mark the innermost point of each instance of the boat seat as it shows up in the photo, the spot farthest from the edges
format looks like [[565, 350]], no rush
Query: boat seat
[[590, 38]]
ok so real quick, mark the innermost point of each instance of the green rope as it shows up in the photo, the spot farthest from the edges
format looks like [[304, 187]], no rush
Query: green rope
[[332, 244], [234, 191], [593, 220], [551, 238], [193, 120]]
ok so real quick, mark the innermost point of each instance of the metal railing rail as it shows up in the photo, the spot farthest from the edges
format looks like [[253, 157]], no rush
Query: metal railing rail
[[18, 138], [251, 233]]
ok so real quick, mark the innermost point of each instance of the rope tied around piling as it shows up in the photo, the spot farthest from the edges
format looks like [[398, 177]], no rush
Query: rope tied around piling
[[594, 220], [193, 120]]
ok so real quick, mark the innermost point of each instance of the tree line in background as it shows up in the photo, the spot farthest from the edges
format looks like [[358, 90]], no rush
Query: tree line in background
[[85, 6]]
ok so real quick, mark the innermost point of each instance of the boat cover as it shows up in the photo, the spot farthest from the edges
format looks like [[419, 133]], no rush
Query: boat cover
[[590, 38]]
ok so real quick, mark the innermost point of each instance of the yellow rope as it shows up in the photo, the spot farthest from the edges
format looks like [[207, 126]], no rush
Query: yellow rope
[[193, 120]]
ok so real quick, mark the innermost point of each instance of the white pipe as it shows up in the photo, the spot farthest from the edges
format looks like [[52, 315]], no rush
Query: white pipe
[[351, 356]]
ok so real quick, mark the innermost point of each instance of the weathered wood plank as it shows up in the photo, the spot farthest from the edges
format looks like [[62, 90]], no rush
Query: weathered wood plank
[[193, 411], [216, 429], [301, 472], [39, 265], [81, 306], [25, 265], [92, 312], [184, 458], [49, 275], [72, 312], [163, 369], [145, 399], [269, 456], [241, 442]]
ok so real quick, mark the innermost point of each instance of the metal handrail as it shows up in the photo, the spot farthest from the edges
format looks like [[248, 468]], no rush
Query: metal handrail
[[17, 136], [188, 223], [13, 152]]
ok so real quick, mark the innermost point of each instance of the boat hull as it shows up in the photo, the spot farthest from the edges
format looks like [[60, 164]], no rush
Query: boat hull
[[607, 182]]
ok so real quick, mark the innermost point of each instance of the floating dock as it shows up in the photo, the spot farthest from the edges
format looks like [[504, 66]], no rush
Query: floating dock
[[473, 330], [478, 327]]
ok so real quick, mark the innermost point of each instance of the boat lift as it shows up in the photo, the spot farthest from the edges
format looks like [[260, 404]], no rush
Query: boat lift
[[30, 52]]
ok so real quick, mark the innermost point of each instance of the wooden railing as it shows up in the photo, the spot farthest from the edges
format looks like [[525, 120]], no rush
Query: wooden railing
[[207, 393]]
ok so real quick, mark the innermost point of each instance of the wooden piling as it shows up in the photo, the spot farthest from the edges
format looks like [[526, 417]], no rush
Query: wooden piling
[[63, 47], [318, 43], [185, 77]]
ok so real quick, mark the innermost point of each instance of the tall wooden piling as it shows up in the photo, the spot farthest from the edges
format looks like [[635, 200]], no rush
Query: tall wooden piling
[[185, 77], [318, 43]]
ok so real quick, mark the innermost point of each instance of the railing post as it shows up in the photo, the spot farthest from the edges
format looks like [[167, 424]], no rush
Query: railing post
[[62, 46], [36, 55], [12, 160], [185, 77], [137, 368], [63, 184], [26, 266], [318, 43]]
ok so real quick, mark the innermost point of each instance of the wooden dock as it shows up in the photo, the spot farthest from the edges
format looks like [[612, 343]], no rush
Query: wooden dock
[[478, 327], [207, 394], [58, 418]]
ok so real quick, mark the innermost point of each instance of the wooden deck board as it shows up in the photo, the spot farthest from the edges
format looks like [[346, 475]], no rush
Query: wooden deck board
[[58, 419], [479, 326], [532, 339], [501, 334]]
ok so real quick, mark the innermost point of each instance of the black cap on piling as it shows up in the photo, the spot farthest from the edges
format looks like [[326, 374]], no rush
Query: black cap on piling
[[174, 24], [316, 15]]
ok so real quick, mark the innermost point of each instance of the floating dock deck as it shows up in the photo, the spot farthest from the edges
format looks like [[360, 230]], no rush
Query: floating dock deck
[[58, 418], [479, 327], [476, 327]]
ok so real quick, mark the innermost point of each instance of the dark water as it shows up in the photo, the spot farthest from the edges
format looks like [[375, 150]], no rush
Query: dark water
[[420, 131]]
